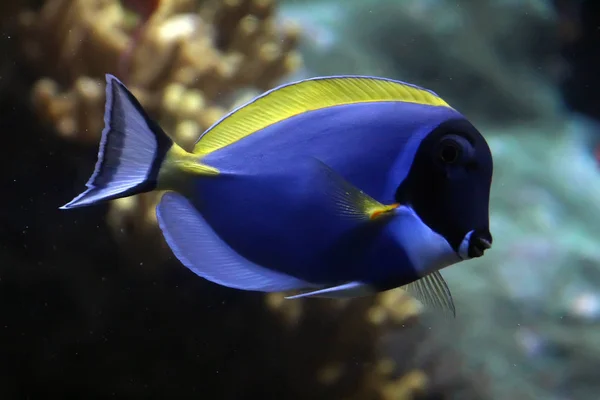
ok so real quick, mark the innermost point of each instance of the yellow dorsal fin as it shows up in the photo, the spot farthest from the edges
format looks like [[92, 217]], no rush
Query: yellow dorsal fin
[[308, 95]]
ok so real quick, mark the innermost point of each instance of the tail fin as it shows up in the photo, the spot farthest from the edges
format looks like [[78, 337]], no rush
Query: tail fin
[[132, 149]]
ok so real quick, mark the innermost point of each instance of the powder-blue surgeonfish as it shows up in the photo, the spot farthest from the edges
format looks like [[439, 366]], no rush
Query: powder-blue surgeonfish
[[332, 187]]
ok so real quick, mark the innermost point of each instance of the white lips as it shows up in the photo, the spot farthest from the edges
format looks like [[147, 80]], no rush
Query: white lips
[[463, 250], [486, 244]]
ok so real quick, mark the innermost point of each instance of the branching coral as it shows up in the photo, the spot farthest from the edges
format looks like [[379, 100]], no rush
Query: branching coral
[[183, 69], [188, 69]]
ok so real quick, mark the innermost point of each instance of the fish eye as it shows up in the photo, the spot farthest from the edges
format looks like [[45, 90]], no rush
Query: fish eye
[[453, 149], [449, 151]]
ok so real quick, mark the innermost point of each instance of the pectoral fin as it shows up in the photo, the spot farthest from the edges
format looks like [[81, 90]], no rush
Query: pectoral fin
[[200, 249], [346, 199], [347, 290], [432, 291]]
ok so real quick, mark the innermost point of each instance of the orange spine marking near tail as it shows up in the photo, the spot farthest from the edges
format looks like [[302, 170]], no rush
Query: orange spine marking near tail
[[384, 210]]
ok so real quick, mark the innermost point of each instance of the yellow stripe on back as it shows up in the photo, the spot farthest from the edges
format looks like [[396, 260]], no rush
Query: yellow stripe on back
[[312, 94]]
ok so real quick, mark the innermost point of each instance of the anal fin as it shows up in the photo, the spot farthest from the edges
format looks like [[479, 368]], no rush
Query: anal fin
[[200, 249]]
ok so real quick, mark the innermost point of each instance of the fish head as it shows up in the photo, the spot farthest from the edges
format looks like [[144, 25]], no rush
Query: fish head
[[448, 186]]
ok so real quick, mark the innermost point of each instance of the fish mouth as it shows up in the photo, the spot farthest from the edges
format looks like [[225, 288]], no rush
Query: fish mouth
[[479, 244]]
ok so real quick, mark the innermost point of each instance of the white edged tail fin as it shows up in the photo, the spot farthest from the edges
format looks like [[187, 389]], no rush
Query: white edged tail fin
[[132, 149]]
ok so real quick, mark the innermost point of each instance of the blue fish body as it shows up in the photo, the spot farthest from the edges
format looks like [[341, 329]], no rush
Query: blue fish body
[[267, 209], [340, 185]]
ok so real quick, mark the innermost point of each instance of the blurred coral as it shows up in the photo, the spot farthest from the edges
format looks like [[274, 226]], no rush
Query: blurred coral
[[188, 69], [580, 37], [185, 65], [494, 60], [406, 365], [188, 66], [78, 319]]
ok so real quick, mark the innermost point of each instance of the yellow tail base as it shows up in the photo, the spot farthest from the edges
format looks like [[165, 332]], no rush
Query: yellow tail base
[[179, 166]]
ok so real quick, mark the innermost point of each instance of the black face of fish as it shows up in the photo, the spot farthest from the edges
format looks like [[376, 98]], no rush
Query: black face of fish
[[448, 185]]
